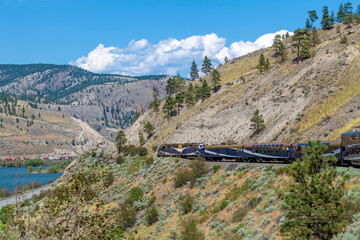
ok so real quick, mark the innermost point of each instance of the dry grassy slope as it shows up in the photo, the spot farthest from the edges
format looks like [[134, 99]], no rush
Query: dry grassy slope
[[315, 99], [51, 134]]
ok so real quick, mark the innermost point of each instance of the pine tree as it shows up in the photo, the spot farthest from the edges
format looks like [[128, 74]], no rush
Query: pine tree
[[194, 74], [206, 66], [267, 65], [190, 96], [313, 17], [149, 129], [179, 99], [349, 15], [305, 49], [340, 14], [326, 22], [276, 44], [314, 37], [282, 51], [314, 203], [307, 24], [155, 103], [215, 79], [298, 38], [262, 63], [120, 140], [141, 138], [257, 122], [170, 86], [287, 35], [205, 90], [169, 107]]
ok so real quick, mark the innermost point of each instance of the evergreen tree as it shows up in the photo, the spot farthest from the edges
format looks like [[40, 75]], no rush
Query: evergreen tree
[[205, 90], [305, 49], [313, 17], [298, 38], [276, 44], [282, 51], [194, 74], [314, 37], [262, 63], [332, 18], [215, 79], [257, 122], [349, 15], [314, 203], [267, 65], [206, 66], [169, 107], [141, 138], [326, 22], [190, 96], [170, 86], [179, 99], [357, 15], [307, 25], [149, 129], [340, 14], [287, 35], [120, 140], [155, 103]]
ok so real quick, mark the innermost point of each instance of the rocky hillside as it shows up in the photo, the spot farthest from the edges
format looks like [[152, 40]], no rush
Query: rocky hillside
[[33, 132], [316, 98], [102, 100]]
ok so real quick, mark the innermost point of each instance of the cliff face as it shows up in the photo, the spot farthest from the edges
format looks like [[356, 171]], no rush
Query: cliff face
[[316, 98]]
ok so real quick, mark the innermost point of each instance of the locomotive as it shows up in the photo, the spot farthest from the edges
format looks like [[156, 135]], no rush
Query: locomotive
[[347, 151]]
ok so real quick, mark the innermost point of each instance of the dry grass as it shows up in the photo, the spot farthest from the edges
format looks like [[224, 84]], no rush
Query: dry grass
[[347, 127], [350, 88]]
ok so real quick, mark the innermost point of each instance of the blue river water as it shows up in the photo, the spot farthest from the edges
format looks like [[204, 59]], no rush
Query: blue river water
[[14, 177]]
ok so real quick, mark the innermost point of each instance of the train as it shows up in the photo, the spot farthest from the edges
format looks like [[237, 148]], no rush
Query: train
[[347, 150]]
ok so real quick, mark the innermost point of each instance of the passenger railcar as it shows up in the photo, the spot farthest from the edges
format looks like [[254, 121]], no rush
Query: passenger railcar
[[350, 147]]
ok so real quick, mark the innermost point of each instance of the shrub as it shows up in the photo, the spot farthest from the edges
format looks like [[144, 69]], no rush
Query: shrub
[[50, 181], [30, 169], [126, 218], [149, 160], [142, 151], [109, 179], [190, 230], [151, 215], [120, 159], [52, 169], [4, 193], [223, 204], [136, 194], [152, 200], [130, 150], [6, 213], [343, 40], [253, 202], [182, 176], [239, 215], [187, 203], [216, 168]]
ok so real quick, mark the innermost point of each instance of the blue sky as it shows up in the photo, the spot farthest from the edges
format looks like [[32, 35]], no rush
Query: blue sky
[[63, 31]]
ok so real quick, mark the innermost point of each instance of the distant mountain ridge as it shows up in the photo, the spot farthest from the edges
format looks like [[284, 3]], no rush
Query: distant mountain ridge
[[44, 80]]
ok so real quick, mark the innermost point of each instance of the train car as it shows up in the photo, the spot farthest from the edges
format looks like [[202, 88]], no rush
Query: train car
[[266, 152], [350, 146], [191, 150], [334, 148], [219, 152], [186, 150]]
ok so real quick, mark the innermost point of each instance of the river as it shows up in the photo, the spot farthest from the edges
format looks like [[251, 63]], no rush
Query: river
[[17, 176]]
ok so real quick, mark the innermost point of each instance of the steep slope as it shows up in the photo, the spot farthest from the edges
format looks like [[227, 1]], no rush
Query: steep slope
[[38, 132], [316, 98]]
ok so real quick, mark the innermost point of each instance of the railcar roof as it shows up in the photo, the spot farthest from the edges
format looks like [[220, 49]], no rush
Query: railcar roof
[[350, 133], [331, 144], [223, 146]]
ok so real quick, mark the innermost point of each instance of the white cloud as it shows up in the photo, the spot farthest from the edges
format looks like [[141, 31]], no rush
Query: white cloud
[[168, 56]]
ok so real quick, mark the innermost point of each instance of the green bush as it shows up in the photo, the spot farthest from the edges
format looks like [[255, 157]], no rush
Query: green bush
[[6, 213], [120, 159], [136, 194], [126, 218], [182, 176], [30, 169], [239, 215], [52, 169], [149, 160], [142, 151], [151, 216], [190, 230], [223, 204], [187, 203], [216, 168], [109, 179], [130, 150], [152, 200]]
